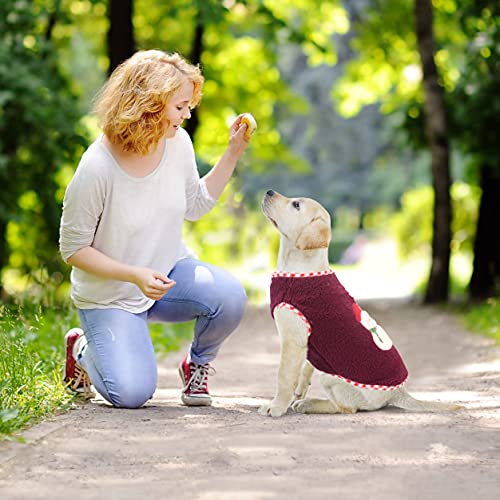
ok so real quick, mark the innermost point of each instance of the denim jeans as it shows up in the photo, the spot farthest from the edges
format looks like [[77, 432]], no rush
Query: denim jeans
[[119, 356]]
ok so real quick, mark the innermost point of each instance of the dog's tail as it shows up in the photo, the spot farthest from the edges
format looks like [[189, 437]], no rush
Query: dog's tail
[[403, 400]]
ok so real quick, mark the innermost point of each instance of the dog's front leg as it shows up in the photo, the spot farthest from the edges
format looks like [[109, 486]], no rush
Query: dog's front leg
[[291, 361], [304, 381], [293, 339]]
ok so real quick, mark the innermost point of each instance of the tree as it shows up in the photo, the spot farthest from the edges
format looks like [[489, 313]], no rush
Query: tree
[[38, 133], [237, 44], [121, 40], [395, 56], [475, 121], [437, 133]]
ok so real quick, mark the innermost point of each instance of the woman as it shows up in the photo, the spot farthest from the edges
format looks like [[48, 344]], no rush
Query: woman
[[121, 231]]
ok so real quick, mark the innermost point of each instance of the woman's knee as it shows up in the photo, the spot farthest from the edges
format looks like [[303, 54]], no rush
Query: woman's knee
[[131, 393], [233, 300]]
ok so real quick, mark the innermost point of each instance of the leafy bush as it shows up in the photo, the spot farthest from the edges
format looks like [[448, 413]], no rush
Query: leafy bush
[[40, 132], [233, 234]]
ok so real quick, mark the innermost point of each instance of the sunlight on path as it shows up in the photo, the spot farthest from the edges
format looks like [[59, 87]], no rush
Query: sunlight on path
[[379, 274]]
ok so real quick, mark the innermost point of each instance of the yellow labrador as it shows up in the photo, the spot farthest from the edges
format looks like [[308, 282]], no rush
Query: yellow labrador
[[304, 227]]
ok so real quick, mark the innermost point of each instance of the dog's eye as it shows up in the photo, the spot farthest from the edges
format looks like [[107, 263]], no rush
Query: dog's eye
[[296, 205]]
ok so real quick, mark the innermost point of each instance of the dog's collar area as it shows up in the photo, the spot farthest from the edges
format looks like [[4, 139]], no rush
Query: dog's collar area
[[280, 274]]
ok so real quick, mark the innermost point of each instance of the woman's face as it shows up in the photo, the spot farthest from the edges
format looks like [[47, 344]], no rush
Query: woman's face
[[178, 108]]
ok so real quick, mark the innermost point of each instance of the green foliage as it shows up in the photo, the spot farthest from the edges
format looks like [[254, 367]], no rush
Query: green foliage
[[168, 337], [232, 233], [477, 94], [460, 271], [39, 130], [484, 318], [387, 68], [412, 225], [241, 42], [31, 360], [79, 39], [53, 59]]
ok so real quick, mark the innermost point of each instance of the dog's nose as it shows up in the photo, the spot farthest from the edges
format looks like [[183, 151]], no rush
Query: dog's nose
[[270, 193]]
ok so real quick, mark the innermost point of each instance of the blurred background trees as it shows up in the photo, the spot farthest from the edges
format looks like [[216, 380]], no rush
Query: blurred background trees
[[39, 132], [337, 90]]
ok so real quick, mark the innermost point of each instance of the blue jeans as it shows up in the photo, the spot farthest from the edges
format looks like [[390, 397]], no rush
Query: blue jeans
[[119, 356]]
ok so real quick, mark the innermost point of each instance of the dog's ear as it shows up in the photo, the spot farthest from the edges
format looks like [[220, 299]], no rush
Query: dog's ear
[[316, 234]]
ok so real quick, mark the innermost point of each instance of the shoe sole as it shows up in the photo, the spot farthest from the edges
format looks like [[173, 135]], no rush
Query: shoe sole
[[193, 400]]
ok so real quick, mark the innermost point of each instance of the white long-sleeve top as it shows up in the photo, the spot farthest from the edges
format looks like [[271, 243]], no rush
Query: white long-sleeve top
[[134, 220]]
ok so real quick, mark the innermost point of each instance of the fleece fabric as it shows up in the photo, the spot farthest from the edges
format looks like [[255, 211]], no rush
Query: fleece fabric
[[344, 340]]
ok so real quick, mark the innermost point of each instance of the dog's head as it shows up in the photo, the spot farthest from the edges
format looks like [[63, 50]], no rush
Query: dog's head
[[303, 222]]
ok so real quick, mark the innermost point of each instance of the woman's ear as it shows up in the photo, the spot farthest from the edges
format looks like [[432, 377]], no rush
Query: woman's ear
[[316, 234]]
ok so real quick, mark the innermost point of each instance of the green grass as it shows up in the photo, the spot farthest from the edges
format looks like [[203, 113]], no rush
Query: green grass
[[32, 359], [484, 318], [170, 337]]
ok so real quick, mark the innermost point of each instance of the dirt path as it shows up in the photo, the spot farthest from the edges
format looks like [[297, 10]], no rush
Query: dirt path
[[228, 451]]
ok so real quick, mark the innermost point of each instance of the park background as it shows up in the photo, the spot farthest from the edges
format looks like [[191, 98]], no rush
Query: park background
[[385, 111]]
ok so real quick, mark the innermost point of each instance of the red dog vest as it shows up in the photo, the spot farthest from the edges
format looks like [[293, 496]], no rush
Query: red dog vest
[[344, 340]]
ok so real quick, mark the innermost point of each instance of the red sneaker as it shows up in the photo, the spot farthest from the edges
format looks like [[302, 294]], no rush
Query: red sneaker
[[74, 375], [195, 379]]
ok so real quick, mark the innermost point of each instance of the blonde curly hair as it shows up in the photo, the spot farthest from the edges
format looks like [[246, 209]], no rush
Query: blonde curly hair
[[131, 104]]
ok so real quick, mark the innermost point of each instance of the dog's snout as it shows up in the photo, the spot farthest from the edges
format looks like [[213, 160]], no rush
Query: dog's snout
[[270, 193]]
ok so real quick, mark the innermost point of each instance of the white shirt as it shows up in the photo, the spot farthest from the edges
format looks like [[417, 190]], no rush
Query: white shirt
[[134, 220]]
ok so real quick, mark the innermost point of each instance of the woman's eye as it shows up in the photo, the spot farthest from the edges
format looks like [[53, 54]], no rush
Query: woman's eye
[[296, 205]]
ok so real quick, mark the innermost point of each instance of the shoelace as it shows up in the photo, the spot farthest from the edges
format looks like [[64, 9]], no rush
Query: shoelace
[[83, 379], [199, 377]]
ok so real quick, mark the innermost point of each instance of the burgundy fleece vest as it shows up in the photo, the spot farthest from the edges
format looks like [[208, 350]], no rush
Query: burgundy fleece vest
[[344, 340]]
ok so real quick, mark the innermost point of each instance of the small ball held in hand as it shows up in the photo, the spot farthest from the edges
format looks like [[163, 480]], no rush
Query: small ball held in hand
[[251, 124]]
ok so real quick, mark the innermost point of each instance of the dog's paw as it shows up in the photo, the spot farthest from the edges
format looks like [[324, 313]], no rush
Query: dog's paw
[[264, 409], [300, 393], [301, 406], [272, 410]]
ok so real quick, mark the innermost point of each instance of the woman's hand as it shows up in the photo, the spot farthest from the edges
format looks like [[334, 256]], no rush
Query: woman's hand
[[219, 176], [237, 139], [153, 284]]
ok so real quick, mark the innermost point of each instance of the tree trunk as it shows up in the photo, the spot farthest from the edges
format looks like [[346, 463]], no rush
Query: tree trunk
[[195, 58], [437, 135], [121, 41], [486, 267]]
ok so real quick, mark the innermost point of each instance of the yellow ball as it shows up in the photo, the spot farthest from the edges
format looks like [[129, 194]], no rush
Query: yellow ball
[[251, 124]]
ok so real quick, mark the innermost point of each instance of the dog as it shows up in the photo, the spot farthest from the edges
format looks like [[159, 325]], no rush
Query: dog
[[321, 326]]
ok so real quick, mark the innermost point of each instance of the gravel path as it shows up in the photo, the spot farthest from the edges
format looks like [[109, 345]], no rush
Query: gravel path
[[169, 451]]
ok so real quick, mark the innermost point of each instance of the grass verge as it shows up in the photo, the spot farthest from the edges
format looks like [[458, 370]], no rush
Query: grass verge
[[484, 318], [32, 359]]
